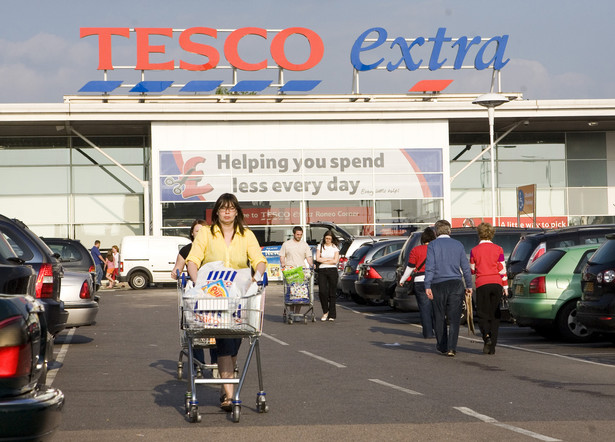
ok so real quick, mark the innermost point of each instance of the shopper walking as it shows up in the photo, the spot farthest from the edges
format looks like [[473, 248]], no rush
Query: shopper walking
[[328, 254], [487, 263], [294, 253], [228, 240], [415, 270], [446, 269], [99, 262]]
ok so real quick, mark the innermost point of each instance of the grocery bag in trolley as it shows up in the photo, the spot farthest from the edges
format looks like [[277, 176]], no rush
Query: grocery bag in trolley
[[297, 287], [218, 297]]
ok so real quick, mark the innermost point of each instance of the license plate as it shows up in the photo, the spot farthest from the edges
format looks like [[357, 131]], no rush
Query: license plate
[[589, 287], [518, 289]]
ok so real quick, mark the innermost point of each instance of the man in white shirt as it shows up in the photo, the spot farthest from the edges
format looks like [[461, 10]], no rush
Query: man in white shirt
[[294, 253]]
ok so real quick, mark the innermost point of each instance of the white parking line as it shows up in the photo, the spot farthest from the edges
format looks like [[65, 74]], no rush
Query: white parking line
[[395, 387], [320, 358], [274, 339], [51, 375], [492, 421]]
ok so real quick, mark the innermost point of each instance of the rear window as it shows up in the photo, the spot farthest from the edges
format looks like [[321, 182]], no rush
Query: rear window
[[583, 261], [523, 250], [545, 263], [18, 245], [361, 251], [67, 252], [605, 254], [507, 241]]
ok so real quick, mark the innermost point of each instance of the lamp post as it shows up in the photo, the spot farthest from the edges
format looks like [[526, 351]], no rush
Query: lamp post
[[491, 101]]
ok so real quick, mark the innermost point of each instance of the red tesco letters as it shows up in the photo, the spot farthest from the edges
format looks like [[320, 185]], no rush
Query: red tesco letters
[[231, 51]]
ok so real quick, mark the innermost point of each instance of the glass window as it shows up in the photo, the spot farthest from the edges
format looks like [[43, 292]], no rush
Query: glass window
[[123, 155], [584, 146], [33, 209], [583, 261], [39, 180], [408, 211], [108, 234], [108, 209], [530, 152], [546, 262], [587, 173], [541, 173], [34, 157], [476, 176], [605, 254], [106, 179]]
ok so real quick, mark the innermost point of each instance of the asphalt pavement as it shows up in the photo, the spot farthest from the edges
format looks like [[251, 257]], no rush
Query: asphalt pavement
[[367, 376]]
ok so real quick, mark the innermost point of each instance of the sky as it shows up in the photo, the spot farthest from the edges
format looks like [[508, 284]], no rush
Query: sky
[[558, 49]]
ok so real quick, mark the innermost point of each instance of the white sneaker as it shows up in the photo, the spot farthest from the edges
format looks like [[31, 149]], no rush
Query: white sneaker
[[324, 317], [331, 319]]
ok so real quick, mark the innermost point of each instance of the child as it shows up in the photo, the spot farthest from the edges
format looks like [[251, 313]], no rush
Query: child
[[110, 270]]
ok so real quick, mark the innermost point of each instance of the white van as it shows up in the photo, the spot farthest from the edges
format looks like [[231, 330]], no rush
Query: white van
[[149, 259]]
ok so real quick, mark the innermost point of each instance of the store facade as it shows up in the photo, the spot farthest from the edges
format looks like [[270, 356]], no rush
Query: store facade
[[374, 165]]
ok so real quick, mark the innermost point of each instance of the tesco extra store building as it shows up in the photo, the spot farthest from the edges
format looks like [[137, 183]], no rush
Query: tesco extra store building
[[119, 159]]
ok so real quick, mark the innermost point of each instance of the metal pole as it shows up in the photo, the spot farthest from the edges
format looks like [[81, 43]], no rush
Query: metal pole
[[491, 111]]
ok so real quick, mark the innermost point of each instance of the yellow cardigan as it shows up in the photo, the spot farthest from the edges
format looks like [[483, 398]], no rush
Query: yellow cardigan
[[208, 247]]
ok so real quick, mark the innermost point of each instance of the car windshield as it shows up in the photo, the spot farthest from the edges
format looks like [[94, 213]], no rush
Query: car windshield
[[605, 254], [545, 263]]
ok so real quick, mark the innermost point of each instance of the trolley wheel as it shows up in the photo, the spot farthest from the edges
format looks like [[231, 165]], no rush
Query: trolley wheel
[[305, 320], [290, 319], [193, 414], [236, 413], [261, 404], [284, 317], [313, 317], [180, 372]]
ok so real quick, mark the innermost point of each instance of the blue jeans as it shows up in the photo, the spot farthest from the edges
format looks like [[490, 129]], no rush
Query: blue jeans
[[447, 304], [99, 274], [425, 309]]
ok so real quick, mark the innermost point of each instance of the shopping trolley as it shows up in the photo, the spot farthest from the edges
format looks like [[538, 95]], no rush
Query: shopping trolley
[[204, 317], [202, 343], [298, 290]]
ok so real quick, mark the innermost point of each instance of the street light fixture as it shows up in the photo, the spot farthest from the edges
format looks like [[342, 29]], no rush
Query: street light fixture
[[491, 101]]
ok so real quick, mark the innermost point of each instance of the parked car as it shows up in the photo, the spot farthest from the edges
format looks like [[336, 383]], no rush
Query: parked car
[[545, 295], [531, 247], [73, 255], [29, 410], [596, 309], [505, 237], [376, 280], [16, 278], [33, 251], [78, 284], [368, 252]]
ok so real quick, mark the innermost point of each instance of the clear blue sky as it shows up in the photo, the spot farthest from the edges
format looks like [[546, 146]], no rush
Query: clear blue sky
[[558, 49]]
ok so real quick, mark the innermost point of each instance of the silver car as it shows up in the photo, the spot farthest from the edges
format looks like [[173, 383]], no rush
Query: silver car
[[77, 293]]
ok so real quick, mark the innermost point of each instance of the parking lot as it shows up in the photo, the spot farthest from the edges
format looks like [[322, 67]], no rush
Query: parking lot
[[368, 375]]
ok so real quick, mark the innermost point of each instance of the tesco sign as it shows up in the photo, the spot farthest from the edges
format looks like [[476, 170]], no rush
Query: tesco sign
[[487, 52], [231, 52]]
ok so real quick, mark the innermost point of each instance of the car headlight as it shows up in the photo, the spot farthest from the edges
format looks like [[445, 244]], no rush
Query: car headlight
[[608, 276]]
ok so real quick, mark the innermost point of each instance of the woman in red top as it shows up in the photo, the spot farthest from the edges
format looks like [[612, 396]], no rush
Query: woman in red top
[[487, 263], [416, 263]]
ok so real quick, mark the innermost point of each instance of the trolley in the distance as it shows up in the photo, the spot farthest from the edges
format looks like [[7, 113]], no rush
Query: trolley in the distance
[[298, 291], [203, 317]]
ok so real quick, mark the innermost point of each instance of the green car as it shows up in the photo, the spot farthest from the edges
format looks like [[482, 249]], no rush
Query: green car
[[545, 295]]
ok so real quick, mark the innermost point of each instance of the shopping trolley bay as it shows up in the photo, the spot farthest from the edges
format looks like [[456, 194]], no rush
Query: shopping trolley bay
[[367, 373]]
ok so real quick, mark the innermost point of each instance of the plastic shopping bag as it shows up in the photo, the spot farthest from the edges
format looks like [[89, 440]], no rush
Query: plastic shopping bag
[[294, 275]]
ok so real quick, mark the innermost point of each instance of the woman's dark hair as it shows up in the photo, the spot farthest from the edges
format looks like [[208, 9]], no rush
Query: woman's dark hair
[[334, 239], [194, 223], [428, 235], [226, 200]]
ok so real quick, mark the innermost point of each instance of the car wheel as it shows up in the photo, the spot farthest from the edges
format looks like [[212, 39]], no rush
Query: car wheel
[[568, 327], [138, 280]]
